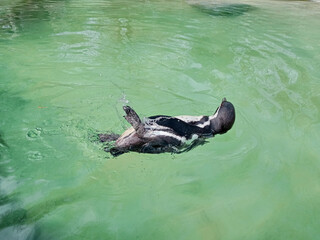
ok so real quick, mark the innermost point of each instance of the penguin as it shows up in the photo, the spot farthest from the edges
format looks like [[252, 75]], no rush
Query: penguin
[[161, 133]]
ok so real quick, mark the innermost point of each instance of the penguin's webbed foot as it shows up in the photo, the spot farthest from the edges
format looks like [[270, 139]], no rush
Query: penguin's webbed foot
[[114, 151], [108, 137]]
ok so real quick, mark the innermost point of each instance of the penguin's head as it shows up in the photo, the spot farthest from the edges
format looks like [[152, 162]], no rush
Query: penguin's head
[[223, 118]]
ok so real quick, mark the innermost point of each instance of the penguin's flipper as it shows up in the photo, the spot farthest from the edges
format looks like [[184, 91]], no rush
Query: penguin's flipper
[[133, 118]]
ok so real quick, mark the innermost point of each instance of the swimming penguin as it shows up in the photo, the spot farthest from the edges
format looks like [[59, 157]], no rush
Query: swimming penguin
[[158, 134]]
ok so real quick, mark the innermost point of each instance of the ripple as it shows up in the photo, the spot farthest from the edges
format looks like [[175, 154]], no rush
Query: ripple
[[79, 46], [8, 184], [24, 232], [166, 57]]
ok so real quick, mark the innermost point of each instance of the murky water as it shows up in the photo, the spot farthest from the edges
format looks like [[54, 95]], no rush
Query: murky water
[[66, 69]]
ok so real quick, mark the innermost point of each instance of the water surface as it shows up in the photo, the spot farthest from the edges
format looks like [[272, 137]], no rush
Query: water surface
[[66, 69]]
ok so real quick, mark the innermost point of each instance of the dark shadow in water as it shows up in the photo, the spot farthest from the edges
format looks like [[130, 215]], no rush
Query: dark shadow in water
[[22, 15], [21, 216], [3, 150], [16, 216], [295, 0], [224, 10], [2, 142], [8, 103]]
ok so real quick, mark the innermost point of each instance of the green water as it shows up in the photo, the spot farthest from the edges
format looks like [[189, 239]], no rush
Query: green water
[[66, 69]]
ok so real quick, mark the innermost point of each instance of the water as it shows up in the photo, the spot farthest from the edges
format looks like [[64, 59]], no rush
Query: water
[[66, 69]]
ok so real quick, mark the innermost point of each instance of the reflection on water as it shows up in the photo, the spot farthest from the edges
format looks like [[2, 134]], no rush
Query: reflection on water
[[18, 16], [66, 69]]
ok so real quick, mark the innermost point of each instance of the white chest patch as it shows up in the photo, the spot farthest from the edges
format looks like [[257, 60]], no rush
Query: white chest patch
[[159, 133], [188, 119]]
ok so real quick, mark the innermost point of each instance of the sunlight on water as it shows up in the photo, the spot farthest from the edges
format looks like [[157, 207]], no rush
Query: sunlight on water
[[68, 67]]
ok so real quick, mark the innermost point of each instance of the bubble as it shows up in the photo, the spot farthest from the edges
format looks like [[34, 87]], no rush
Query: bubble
[[34, 133], [34, 156], [124, 100]]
